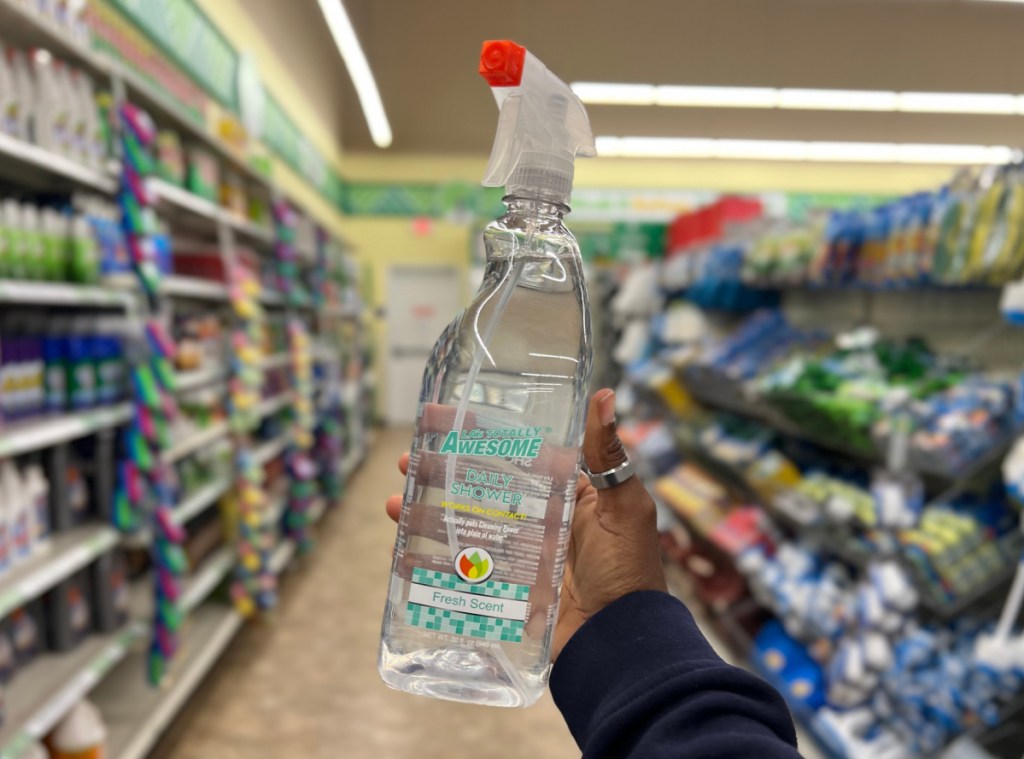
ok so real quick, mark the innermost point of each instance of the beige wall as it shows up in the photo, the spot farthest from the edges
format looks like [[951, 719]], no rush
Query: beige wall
[[384, 242]]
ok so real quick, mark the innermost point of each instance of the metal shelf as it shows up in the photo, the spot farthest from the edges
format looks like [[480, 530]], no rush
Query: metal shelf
[[33, 166], [186, 381], [62, 294], [194, 442], [274, 404], [282, 556], [137, 713], [53, 683], [276, 361], [206, 209], [193, 287], [317, 509], [724, 394], [271, 449], [69, 552], [205, 579], [43, 432], [200, 501]]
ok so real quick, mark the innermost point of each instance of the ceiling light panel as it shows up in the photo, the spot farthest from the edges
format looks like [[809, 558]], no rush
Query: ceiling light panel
[[788, 150], [610, 93]]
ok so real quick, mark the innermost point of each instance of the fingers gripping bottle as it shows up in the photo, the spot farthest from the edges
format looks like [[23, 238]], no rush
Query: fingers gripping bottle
[[492, 479]]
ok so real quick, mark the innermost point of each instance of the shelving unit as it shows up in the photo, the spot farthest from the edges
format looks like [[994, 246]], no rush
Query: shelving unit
[[69, 552], [206, 577], [40, 696], [62, 294], [40, 169], [194, 442], [193, 287], [136, 713], [112, 668], [186, 381], [34, 434]]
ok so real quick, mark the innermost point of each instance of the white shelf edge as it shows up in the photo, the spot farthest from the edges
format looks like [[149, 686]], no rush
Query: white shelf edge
[[271, 449], [207, 577], [34, 434], [78, 672], [200, 501], [186, 381], [274, 404], [62, 294], [193, 443], [317, 509], [282, 556], [193, 287], [276, 507], [276, 361], [69, 552], [182, 198], [133, 734], [200, 206], [55, 164]]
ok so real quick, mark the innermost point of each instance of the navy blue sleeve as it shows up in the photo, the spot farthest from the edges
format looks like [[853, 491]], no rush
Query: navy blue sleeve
[[639, 679]]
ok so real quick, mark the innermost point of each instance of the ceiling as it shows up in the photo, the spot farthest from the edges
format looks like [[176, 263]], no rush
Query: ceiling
[[424, 56]]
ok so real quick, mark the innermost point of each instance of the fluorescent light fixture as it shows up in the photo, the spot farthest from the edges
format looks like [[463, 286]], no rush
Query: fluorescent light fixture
[[837, 100], [359, 69], [999, 104], [957, 102], [715, 97], [789, 150]]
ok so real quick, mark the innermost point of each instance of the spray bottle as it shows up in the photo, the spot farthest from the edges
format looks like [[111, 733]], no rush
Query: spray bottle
[[491, 484]]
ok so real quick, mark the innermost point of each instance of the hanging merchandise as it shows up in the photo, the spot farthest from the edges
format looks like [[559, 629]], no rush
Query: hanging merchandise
[[500, 421], [254, 585], [303, 487], [146, 486]]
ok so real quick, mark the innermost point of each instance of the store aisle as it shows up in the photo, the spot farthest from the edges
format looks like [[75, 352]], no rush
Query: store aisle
[[304, 683]]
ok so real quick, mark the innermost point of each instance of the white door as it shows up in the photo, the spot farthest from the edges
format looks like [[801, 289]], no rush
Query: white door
[[422, 300]]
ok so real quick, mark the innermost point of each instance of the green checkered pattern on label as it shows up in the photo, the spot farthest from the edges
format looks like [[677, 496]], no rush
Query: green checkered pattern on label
[[491, 588], [460, 623]]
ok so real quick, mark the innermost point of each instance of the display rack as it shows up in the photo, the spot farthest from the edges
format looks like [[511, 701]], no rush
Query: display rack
[[112, 667]]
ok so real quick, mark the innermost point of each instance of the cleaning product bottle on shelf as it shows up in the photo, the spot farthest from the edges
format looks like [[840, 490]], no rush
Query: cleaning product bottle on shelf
[[81, 734], [491, 485], [38, 491], [19, 514]]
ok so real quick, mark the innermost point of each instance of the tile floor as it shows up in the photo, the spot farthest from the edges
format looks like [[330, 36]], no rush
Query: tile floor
[[303, 683]]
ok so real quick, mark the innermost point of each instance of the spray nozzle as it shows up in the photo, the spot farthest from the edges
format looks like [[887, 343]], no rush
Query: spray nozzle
[[542, 125]]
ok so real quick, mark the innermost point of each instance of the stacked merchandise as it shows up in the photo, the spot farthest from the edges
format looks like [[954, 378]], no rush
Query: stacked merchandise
[[970, 232], [833, 496], [132, 383]]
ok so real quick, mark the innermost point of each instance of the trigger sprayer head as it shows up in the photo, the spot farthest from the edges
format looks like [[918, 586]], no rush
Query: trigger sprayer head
[[542, 125]]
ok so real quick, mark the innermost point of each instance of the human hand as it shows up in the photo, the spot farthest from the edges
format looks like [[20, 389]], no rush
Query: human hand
[[613, 543]]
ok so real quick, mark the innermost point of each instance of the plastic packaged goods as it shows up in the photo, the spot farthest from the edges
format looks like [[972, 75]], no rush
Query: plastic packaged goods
[[37, 489], [21, 107], [81, 734], [472, 600], [170, 157]]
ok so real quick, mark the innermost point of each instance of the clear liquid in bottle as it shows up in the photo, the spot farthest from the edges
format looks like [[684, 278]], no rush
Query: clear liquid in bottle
[[491, 486]]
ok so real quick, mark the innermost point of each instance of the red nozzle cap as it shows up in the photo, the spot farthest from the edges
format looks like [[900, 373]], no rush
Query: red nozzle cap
[[501, 63]]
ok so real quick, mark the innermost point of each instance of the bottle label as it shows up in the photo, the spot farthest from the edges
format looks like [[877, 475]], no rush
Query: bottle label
[[489, 610], [499, 498]]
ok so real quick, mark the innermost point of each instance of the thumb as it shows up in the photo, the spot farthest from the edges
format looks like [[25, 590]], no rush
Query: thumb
[[602, 449]]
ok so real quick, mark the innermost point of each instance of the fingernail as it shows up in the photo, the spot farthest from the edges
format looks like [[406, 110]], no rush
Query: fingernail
[[606, 409]]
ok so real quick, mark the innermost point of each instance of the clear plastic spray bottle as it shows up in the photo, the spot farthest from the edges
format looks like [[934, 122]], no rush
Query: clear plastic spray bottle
[[491, 485]]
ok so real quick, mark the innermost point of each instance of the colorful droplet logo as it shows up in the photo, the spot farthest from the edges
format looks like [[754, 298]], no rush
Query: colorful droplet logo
[[474, 564]]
